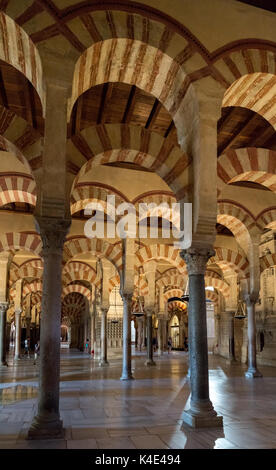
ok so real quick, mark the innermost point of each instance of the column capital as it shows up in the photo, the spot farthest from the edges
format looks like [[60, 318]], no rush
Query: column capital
[[104, 310], [18, 311], [53, 232], [4, 307], [196, 259], [126, 296], [149, 311]]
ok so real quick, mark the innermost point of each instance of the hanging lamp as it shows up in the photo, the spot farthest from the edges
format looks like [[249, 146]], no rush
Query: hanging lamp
[[240, 313]]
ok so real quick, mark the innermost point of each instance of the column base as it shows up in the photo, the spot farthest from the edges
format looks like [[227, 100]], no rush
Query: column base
[[150, 362], [231, 360], [42, 428], [127, 377], [202, 415], [253, 373], [103, 363]]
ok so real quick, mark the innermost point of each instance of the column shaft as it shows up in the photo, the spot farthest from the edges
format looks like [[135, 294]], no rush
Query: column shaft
[[17, 349], [201, 412], [3, 321], [126, 366], [47, 423], [149, 361], [103, 360], [252, 371]]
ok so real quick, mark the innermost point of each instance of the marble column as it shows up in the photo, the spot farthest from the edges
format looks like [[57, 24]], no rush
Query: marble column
[[140, 322], [103, 359], [69, 335], [126, 366], [28, 327], [3, 337], [17, 348], [8, 336], [149, 361], [160, 339], [201, 412], [252, 371], [47, 422]]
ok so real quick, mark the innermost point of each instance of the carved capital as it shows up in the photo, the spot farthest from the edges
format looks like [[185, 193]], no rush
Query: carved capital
[[149, 311], [53, 233], [196, 260], [126, 297], [3, 307]]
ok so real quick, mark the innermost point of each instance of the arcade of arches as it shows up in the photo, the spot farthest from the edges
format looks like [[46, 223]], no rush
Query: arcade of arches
[[148, 102]]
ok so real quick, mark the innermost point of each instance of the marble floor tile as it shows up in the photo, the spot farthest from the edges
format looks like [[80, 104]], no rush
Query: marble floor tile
[[115, 443], [82, 444], [149, 442]]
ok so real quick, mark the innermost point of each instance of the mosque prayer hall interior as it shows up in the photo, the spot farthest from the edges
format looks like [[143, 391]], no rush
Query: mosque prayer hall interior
[[137, 224]]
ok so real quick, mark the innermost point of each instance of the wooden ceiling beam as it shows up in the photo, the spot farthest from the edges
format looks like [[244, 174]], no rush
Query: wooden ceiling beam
[[33, 10], [52, 10], [170, 128], [130, 104], [242, 128], [106, 95], [3, 93], [226, 118], [262, 138], [153, 114], [4, 4]]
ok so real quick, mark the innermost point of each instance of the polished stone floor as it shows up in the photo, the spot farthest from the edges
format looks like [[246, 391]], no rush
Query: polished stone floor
[[101, 412]]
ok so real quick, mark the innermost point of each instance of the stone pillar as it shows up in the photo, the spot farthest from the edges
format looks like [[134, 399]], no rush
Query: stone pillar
[[103, 359], [47, 423], [8, 336], [149, 361], [140, 322], [252, 371], [17, 348], [3, 331], [69, 335], [126, 369], [160, 336], [145, 331], [201, 412]]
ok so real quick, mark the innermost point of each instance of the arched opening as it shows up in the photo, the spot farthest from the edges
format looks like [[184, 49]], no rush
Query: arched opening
[[174, 332]]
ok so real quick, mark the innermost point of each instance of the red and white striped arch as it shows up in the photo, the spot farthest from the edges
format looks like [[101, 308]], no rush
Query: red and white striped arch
[[15, 188], [255, 91], [172, 293], [76, 288], [18, 50], [74, 271], [248, 164], [87, 193], [97, 247], [218, 284], [25, 272], [123, 143], [21, 241], [136, 63], [267, 261], [160, 251], [229, 259], [177, 305], [211, 295], [267, 219]]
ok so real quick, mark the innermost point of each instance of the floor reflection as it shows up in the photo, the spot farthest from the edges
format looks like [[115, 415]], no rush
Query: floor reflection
[[18, 393]]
